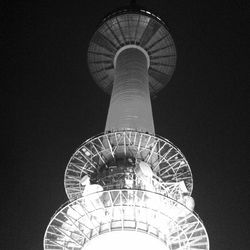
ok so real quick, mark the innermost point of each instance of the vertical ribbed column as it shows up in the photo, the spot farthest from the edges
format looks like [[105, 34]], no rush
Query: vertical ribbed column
[[130, 105]]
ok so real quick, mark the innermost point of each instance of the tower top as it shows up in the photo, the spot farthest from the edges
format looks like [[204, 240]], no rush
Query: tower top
[[132, 26]]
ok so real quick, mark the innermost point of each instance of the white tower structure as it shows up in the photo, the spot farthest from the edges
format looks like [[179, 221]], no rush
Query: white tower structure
[[128, 188]]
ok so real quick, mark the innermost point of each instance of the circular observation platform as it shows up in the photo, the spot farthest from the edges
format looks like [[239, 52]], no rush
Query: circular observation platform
[[134, 27], [110, 160], [115, 213]]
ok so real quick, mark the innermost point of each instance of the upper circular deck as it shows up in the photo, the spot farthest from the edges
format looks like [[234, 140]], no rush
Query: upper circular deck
[[132, 26]]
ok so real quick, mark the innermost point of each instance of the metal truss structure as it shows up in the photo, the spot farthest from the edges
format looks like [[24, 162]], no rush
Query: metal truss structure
[[105, 150], [126, 202]]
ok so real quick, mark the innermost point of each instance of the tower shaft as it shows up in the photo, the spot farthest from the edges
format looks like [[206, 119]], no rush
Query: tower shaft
[[130, 104]]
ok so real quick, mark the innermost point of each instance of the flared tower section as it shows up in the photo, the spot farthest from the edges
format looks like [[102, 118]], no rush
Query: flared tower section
[[128, 188]]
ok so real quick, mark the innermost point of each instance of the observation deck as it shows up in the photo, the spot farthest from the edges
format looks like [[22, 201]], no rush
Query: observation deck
[[128, 27]]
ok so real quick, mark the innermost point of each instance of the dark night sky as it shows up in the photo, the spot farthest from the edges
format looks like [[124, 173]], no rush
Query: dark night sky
[[50, 105]]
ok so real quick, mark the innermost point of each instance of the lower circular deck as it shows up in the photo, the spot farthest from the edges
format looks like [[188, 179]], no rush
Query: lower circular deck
[[85, 219]]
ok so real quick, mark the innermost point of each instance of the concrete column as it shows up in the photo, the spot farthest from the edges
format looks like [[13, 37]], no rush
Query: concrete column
[[130, 105]]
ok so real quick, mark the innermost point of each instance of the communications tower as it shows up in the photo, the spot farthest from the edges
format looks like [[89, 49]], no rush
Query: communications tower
[[127, 187]]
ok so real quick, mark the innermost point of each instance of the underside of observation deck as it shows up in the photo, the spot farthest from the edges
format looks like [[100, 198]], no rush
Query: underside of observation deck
[[134, 27]]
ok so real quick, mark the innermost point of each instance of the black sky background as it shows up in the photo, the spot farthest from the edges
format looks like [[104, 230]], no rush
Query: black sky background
[[50, 105]]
